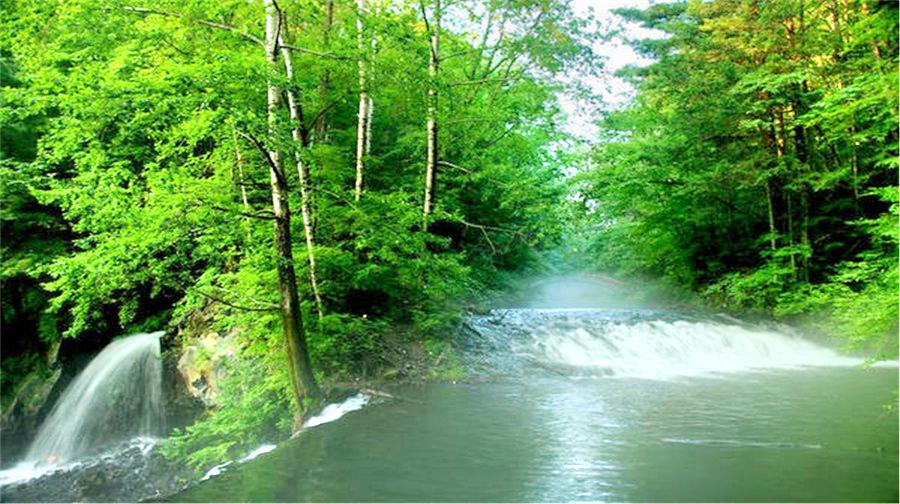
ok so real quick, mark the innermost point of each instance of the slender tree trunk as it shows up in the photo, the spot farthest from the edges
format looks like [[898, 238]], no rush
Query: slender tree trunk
[[804, 233], [370, 111], [301, 139], [245, 201], [431, 158], [790, 226], [362, 117], [803, 147], [772, 141], [302, 380], [780, 151], [772, 231], [854, 164], [321, 126]]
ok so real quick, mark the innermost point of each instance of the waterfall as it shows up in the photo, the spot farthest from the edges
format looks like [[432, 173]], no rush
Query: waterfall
[[638, 344], [115, 398]]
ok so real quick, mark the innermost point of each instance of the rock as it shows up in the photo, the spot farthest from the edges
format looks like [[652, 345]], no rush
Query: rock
[[203, 364], [30, 397], [128, 473], [201, 354]]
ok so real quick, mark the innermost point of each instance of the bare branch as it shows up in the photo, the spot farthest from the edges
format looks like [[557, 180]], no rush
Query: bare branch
[[316, 53], [456, 167], [465, 120], [264, 304], [501, 136], [232, 29], [265, 215], [425, 17], [483, 81], [484, 233], [265, 153], [204, 22], [458, 54], [490, 228], [272, 307], [325, 110]]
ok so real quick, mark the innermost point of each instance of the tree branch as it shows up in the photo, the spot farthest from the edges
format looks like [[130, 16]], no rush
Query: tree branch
[[458, 53], [265, 153], [484, 233], [232, 29], [325, 110], [259, 215], [425, 17], [483, 81], [273, 307], [501, 136], [491, 228], [316, 53], [454, 166], [204, 22]]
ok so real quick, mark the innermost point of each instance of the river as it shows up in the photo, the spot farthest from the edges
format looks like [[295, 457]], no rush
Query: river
[[603, 404], [578, 395]]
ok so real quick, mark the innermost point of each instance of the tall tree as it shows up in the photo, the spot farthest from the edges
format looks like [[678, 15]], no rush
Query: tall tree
[[778, 165], [364, 115], [302, 379], [431, 114], [301, 137]]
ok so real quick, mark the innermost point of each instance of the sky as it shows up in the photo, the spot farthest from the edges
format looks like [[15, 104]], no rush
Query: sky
[[614, 91]]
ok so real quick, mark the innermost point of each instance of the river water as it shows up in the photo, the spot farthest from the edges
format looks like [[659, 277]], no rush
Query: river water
[[603, 405]]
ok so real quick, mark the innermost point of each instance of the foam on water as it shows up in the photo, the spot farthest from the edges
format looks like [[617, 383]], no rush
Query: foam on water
[[28, 470], [215, 471], [116, 398], [23, 471], [335, 411], [266, 448], [219, 469], [645, 345], [329, 413]]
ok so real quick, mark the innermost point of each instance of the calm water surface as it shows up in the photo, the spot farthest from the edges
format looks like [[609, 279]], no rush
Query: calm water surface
[[584, 398], [817, 434]]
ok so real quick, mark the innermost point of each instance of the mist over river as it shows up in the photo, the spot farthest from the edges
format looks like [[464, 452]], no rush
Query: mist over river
[[586, 402]]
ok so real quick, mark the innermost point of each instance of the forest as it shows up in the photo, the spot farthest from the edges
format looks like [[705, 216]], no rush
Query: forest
[[336, 187], [758, 164]]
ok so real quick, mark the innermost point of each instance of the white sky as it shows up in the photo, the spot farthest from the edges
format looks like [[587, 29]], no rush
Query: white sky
[[614, 91]]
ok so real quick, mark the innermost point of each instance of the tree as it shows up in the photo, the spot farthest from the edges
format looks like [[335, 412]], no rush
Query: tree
[[740, 169], [431, 114], [302, 379], [364, 116]]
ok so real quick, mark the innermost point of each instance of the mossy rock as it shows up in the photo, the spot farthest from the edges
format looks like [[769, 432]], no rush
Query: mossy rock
[[30, 397]]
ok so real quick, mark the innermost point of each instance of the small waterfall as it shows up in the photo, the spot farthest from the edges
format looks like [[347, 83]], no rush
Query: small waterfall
[[115, 398], [638, 344]]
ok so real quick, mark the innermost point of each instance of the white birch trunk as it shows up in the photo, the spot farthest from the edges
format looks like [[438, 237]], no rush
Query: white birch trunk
[[305, 187], [431, 157], [362, 117], [302, 380]]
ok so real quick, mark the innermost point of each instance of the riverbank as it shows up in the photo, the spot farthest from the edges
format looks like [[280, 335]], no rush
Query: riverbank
[[611, 404], [559, 336]]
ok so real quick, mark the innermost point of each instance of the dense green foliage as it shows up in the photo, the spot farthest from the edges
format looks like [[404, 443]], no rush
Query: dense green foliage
[[758, 164], [134, 194]]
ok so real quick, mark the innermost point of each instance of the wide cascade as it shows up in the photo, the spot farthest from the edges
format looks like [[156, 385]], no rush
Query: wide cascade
[[115, 398], [638, 344]]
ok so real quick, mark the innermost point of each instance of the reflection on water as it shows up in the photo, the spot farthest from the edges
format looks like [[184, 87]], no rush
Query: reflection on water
[[790, 435], [581, 403]]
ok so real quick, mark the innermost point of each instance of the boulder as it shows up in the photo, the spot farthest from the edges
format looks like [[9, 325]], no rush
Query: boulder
[[22, 413], [203, 364]]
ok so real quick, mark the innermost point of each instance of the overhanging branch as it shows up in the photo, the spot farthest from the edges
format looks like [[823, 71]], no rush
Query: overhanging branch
[[204, 22]]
